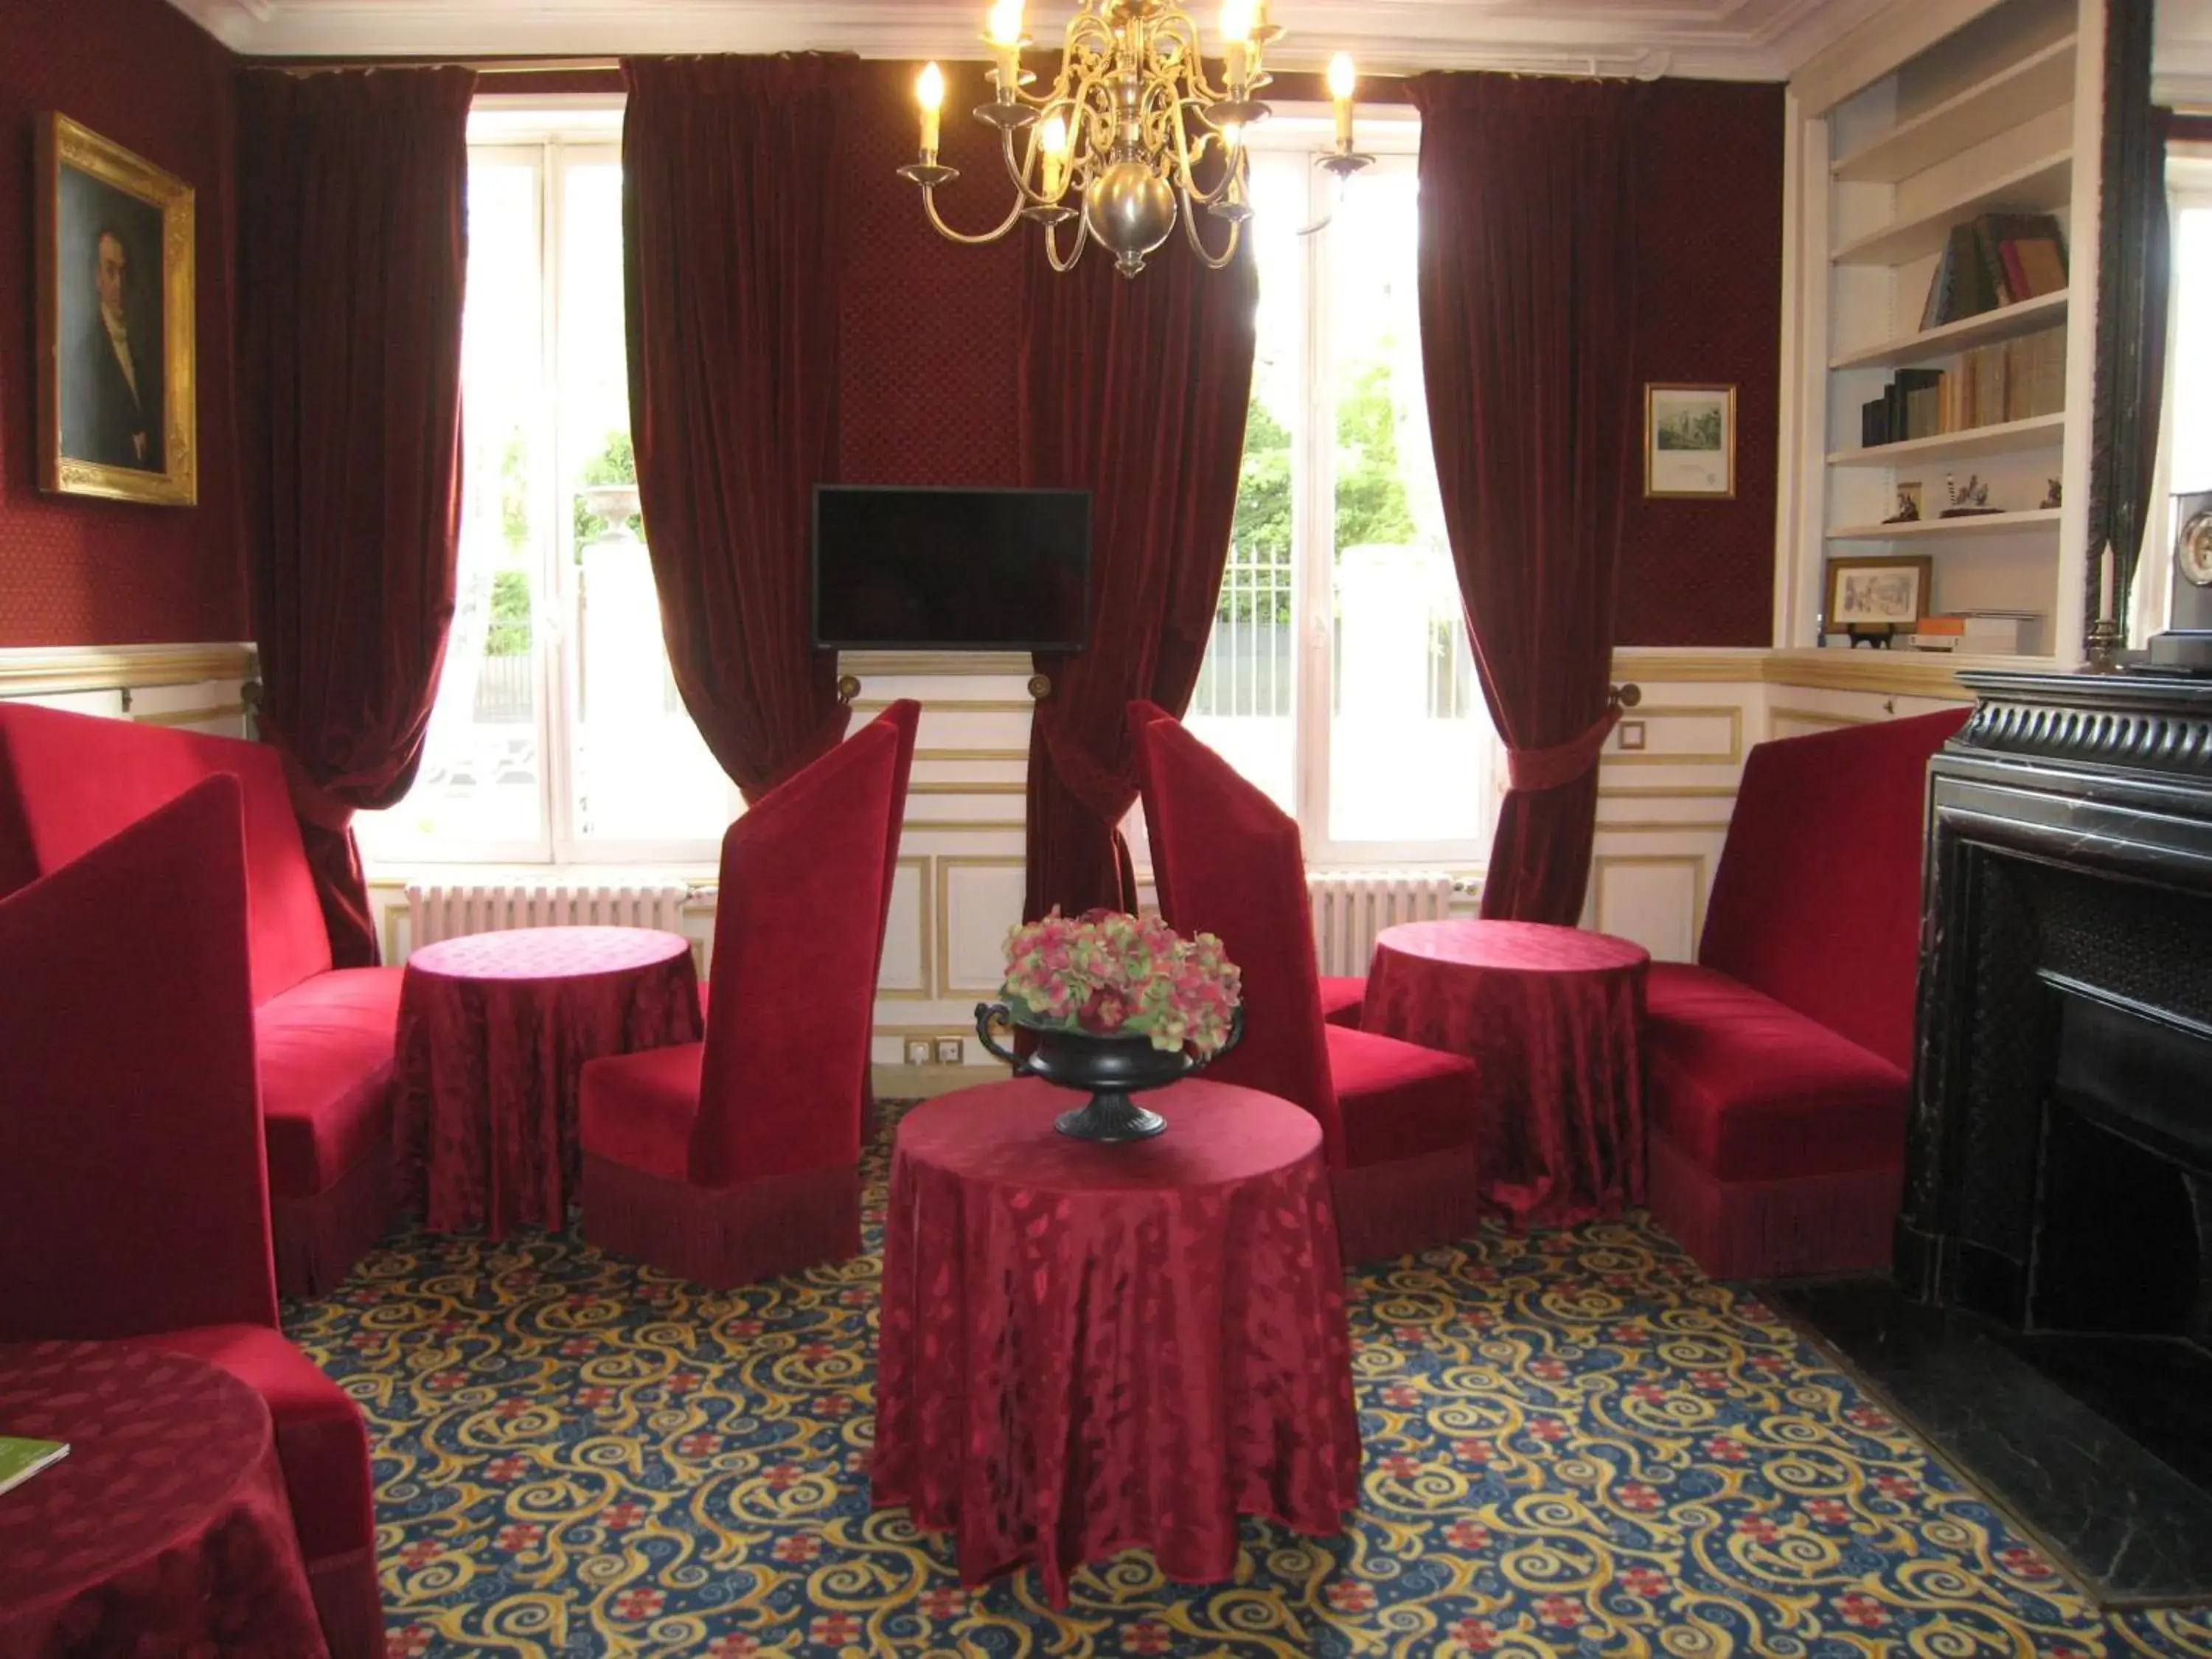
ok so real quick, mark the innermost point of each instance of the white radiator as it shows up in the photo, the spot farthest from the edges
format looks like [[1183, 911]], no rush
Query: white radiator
[[441, 911], [1350, 906]]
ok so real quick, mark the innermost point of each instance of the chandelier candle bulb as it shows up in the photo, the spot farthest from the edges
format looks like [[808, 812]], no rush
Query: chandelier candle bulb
[[1342, 79], [1236, 41], [1051, 142], [929, 91], [1004, 33]]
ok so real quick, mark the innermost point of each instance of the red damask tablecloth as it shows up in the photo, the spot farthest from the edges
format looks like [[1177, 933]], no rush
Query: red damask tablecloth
[[1553, 1019], [494, 1032], [165, 1531], [1085, 1346]]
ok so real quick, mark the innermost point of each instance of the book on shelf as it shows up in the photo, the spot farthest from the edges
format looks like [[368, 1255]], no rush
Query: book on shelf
[[1993, 260], [1983, 633], [21, 1459], [2014, 379]]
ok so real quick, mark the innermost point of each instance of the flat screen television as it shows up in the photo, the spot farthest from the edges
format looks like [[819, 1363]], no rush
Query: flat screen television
[[899, 569]]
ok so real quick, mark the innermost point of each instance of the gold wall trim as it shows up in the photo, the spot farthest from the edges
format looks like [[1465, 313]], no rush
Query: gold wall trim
[[192, 716], [1698, 864], [1818, 717], [937, 665], [1732, 713], [946, 863], [936, 788], [43, 670], [925, 992], [1659, 827], [955, 705], [1649, 667], [968, 826], [1666, 791], [1900, 673], [1017, 756]]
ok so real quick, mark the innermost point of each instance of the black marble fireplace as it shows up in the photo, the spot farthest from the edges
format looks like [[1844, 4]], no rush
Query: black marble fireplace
[[2049, 1325]]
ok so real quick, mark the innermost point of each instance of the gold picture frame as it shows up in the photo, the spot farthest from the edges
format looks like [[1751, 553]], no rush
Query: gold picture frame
[[1689, 439], [117, 362]]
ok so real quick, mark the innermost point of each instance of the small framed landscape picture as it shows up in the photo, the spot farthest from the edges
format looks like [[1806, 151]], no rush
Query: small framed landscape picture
[[1689, 439], [114, 238], [1875, 592]]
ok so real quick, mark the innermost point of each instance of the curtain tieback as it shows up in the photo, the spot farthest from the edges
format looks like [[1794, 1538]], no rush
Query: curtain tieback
[[1102, 792], [311, 801], [1532, 770]]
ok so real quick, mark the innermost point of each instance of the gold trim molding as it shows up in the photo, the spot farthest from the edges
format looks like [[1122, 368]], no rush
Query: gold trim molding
[[1732, 713], [53, 670], [1900, 673], [937, 665]]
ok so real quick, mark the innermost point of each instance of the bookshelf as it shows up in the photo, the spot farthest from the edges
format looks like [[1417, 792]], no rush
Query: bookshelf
[[1927, 158]]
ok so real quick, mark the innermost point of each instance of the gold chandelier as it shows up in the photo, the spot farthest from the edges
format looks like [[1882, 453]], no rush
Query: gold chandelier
[[1117, 144]]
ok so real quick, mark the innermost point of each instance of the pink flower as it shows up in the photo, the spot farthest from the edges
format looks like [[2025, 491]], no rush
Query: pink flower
[[521, 1535], [639, 1603], [796, 1549], [1828, 1512], [1465, 1535], [408, 1641], [1635, 1495], [1559, 1610], [1146, 1636], [1475, 1635], [1861, 1610], [2023, 1562], [834, 1629], [1758, 1530], [938, 1602], [620, 1518], [1646, 1582], [420, 1554]]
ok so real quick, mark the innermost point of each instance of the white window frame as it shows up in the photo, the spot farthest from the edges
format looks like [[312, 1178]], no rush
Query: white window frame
[[552, 136], [1392, 134]]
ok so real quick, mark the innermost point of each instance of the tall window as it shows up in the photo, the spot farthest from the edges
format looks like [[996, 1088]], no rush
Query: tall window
[[557, 735], [1338, 678]]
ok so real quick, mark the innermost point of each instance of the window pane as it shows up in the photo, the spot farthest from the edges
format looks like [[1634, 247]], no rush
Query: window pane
[[1411, 751], [1245, 705], [478, 789], [639, 771]]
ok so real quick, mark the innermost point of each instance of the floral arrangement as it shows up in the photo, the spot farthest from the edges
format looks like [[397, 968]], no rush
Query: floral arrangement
[[1115, 974]]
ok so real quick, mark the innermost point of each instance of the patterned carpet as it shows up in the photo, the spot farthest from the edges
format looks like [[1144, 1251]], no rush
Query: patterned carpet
[[1576, 1444]]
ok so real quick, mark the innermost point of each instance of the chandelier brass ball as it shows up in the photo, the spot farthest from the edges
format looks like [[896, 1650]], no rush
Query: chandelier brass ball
[[1131, 211]]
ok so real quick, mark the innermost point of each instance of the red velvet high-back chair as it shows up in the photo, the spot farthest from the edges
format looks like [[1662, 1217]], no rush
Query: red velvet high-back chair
[[738, 1158], [1778, 1066], [134, 1189], [1397, 1120]]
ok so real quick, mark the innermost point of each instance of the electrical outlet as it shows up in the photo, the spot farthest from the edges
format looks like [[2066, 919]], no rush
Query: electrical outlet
[[1631, 734], [917, 1051], [951, 1051]]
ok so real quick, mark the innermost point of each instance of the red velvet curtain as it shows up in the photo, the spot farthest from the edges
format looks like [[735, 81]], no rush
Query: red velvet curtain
[[730, 225], [1528, 345], [1135, 388], [352, 257]]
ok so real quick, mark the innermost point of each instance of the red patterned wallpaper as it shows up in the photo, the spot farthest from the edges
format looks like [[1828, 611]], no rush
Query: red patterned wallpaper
[[930, 326], [75, 571], [1709, 180]]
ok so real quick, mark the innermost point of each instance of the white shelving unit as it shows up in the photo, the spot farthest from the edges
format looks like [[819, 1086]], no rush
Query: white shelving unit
[[1968, 106]]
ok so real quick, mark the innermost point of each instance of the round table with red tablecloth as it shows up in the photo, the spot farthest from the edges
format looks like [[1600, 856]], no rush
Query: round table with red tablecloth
[[1553, 1019], [1085, 1346], [494, 1032], [165, 1530]]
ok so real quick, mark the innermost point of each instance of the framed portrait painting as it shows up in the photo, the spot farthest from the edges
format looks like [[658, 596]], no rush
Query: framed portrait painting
[[1689, 439], [115, 244]]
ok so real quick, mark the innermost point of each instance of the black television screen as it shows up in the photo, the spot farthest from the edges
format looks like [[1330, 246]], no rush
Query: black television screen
[[952, 569]]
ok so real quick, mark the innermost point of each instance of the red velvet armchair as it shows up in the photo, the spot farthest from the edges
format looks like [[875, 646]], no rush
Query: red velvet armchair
[[134, 1197], [738, 1158], [323, 1039], [1397, 1120], [1778, 1068]]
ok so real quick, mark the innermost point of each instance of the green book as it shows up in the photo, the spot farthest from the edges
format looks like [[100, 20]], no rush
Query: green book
[[21, 1459]]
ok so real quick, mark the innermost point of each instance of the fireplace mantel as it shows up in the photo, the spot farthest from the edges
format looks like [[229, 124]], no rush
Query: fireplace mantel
[[2071, 851]]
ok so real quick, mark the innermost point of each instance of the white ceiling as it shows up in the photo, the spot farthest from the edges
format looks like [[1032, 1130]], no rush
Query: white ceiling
[[1762, 40]]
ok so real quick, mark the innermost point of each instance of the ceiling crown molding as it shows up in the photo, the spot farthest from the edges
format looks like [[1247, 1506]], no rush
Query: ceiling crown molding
[[1729, 39]]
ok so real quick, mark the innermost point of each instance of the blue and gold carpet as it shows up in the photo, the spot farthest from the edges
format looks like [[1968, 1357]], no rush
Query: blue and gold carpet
[[1576, 1444]]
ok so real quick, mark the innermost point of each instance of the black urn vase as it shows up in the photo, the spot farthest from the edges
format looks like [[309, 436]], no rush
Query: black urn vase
[[1111, 1068]]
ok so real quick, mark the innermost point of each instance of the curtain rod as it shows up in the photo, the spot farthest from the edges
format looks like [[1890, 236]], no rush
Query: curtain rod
[[481, 65]]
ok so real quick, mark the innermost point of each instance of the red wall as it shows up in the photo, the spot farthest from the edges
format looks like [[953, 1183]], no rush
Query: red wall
[[76, 571], [931, 327], [1709, 184]]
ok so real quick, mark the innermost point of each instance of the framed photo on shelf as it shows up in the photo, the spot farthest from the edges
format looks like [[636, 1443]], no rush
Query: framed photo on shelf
[[1689, 439], [1876, 593], [116, 364]]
